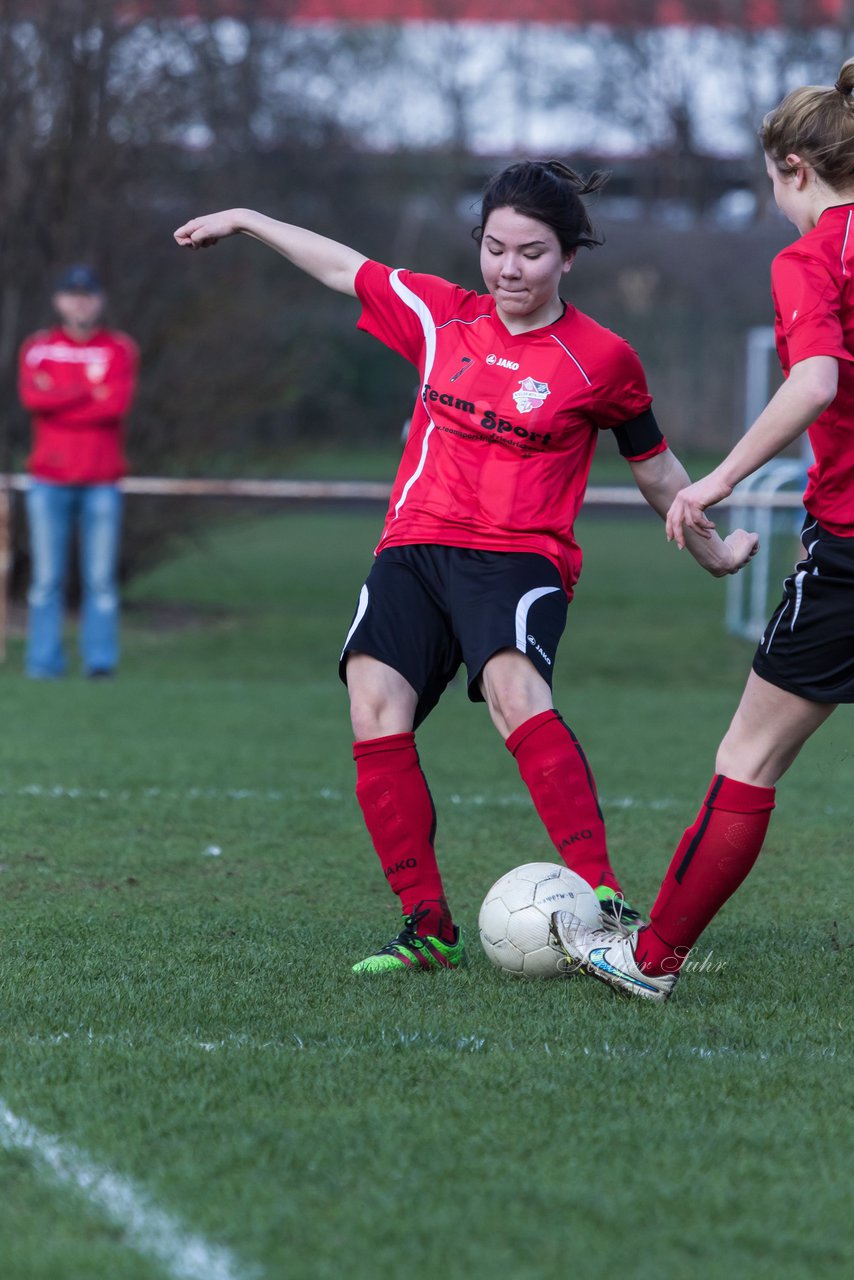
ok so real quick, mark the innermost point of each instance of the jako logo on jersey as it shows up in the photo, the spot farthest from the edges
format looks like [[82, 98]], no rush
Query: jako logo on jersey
[[501, 362], [541, 652], [531, 394]]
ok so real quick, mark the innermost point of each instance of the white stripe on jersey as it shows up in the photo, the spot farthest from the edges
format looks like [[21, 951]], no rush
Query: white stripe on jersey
[[522, 609], [361, 610], [425, 447], [572, 358], [428, 325], [844, 244]]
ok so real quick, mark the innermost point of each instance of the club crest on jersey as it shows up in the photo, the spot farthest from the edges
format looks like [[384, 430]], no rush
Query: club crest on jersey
[[531, 394]]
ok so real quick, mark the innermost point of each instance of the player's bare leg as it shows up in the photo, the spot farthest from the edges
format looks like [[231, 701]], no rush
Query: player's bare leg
[[381, 700], [514, 690], [767, 732]]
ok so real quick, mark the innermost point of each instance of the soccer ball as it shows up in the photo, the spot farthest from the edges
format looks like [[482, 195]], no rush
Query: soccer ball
[[516, 913]]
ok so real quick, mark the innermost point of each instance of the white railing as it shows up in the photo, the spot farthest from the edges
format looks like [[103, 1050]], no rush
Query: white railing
[[320, 491]]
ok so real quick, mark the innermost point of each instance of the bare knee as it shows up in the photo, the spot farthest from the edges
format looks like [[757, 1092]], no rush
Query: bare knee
[[375, 719], [382, 702], [514, 690]]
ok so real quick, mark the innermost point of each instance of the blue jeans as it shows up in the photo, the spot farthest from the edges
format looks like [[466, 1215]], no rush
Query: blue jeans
[[54, 511]]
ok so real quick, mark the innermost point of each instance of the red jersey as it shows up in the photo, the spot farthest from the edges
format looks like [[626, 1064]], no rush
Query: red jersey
[[78, 394], [504, 428], [812, 282]]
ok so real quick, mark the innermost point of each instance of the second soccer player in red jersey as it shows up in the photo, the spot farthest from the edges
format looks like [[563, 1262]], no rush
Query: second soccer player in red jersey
[[804, 665], [477, 559]]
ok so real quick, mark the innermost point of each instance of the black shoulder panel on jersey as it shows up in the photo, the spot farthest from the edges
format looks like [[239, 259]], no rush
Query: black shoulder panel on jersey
[[638, 435]]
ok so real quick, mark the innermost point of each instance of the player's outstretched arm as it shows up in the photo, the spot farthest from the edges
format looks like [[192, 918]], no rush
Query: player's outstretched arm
[[659, 479], [333, 264], [808, 390]]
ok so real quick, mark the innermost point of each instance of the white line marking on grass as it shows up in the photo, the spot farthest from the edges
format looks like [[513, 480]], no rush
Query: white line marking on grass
[[475, 800], [148, 1230], [57, 792], [448, 1042]]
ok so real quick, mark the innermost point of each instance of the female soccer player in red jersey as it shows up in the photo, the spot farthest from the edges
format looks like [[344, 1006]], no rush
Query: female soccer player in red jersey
[[477, 558], [804, 665]]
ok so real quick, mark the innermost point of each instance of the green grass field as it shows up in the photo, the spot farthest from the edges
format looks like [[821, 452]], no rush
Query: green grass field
[[187, 881]]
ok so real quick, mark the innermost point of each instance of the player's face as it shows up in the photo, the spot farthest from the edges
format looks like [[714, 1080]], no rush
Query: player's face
[[78, 312], [522, 265]]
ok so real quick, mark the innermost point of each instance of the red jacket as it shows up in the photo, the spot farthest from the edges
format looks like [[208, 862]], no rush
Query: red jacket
[[79, 394]]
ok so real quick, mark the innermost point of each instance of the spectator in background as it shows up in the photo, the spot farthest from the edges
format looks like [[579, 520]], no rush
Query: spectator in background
[[77, 381]]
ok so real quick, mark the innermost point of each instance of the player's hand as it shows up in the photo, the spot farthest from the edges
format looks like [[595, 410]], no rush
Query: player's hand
[[742, 546], [201, 233], [687, 511]]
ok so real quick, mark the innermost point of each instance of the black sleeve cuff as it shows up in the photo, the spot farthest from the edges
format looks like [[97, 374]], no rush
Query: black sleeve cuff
[[639, 435]]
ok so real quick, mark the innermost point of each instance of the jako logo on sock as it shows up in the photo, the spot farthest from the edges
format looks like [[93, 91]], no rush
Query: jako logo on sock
[[400, 866], [586, 834]]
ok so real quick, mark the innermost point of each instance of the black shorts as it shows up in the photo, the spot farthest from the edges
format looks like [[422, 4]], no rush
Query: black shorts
[[426, 609], [808, 646]]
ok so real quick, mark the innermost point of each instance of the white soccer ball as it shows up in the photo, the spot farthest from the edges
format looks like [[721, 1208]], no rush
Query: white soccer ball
[[516, 913]]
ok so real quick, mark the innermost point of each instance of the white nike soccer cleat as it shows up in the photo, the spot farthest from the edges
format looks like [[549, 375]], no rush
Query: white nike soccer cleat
[[611, 959]]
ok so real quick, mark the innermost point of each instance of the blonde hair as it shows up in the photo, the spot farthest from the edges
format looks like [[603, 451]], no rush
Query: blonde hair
[[817, 124]]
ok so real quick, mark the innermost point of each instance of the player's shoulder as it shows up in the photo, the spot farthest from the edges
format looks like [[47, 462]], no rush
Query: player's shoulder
[[598, 343], [797, 255], [829, 244], [427, 288], [579, 324]]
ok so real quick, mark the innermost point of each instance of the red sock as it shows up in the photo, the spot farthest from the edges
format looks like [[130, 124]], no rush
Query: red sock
[[555, 771], [398, 811], [713, 858]]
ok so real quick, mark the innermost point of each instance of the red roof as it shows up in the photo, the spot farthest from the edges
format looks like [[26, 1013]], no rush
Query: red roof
[[635, 13]]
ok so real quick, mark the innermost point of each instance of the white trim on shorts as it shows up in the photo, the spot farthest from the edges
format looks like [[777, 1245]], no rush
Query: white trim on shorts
[[523, 607], [361, 610]]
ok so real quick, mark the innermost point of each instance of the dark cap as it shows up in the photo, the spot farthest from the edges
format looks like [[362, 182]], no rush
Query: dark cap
[[80, 278]]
